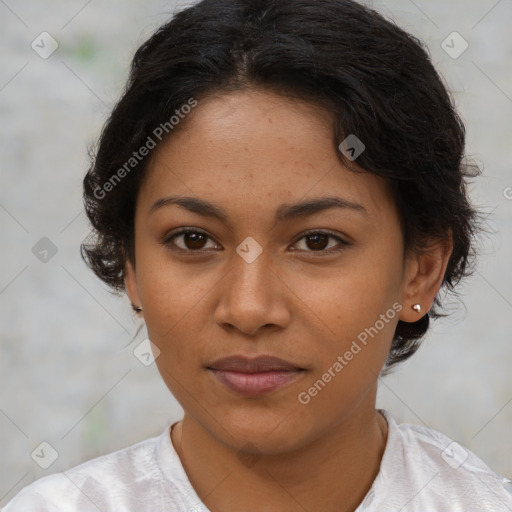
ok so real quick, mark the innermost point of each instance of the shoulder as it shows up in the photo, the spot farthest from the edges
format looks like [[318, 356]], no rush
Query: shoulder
[[423, 469], [93, 484]]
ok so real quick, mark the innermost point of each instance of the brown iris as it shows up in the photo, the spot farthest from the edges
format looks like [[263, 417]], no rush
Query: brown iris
[[194, 240], [319, 241]]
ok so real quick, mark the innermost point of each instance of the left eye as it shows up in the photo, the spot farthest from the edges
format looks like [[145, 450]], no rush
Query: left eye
[[318, 241]]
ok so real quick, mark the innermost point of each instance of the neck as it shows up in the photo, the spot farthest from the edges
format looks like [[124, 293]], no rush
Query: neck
[[333, 473]]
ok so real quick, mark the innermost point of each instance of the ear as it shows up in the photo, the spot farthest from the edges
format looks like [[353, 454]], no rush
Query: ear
[[130, 282], [424, 275]]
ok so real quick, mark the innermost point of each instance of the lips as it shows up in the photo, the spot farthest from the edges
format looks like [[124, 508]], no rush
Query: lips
[[258, 364], [254, 376]]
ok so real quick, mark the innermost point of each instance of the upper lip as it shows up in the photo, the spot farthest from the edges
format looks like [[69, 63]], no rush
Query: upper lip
[[263, 363]]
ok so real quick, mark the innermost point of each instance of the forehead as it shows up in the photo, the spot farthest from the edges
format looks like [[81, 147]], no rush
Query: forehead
[[251, 150]]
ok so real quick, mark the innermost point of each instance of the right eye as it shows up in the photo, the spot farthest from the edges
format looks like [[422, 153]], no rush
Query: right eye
[[188, 240]]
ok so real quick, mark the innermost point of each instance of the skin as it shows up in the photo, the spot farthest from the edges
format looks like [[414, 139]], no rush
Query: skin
[[249, 152]]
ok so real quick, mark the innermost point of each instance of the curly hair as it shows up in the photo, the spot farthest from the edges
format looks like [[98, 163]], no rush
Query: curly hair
[[377, 80]]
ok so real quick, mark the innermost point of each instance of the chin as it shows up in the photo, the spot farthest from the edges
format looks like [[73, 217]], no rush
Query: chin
[[262, 431]]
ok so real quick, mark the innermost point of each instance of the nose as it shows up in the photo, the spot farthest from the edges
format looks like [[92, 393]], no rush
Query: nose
[[253, 296]]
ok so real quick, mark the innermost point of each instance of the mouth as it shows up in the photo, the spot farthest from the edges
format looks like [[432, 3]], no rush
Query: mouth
[[255, 376]]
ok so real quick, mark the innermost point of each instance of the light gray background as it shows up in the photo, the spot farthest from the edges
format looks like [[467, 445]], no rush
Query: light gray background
[[69, 376]]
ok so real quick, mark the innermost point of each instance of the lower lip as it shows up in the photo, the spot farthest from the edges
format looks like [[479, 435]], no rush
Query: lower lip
[[252, 384]]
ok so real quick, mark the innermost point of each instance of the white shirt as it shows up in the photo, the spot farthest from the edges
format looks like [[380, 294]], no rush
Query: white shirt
[[421, 471]]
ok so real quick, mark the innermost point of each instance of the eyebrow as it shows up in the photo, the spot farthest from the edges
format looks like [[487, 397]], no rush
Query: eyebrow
[[283, 212]]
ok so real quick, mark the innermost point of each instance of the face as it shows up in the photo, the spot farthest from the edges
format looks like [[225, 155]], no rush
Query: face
[[263, 276]]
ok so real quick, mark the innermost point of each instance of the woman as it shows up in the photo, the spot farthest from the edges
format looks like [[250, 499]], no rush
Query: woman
[[281, 192]]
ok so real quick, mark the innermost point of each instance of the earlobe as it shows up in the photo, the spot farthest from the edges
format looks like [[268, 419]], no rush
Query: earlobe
[[424, 277]]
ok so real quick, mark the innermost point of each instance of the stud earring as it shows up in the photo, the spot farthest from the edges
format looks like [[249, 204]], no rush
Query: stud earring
[[416, 308], [138, 309]]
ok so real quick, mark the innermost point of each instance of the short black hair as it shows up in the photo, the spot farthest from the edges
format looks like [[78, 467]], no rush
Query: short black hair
[[377, 80]]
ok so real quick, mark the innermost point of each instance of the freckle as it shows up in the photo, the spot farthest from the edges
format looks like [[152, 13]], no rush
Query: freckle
[[270, 120]]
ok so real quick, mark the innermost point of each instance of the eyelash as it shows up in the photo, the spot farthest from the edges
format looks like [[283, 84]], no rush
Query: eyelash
[[191, 252]]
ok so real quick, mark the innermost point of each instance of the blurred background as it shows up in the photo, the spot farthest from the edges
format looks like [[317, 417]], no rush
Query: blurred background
[[69, 374]]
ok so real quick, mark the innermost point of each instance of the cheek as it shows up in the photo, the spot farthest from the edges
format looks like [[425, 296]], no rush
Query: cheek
[[173, 296], [360, 316], [357, 324], [351, 349], [168, 288], [354, 294]]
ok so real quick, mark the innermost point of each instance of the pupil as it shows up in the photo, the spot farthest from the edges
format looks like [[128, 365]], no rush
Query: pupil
[[193, 240], [319, 241]]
